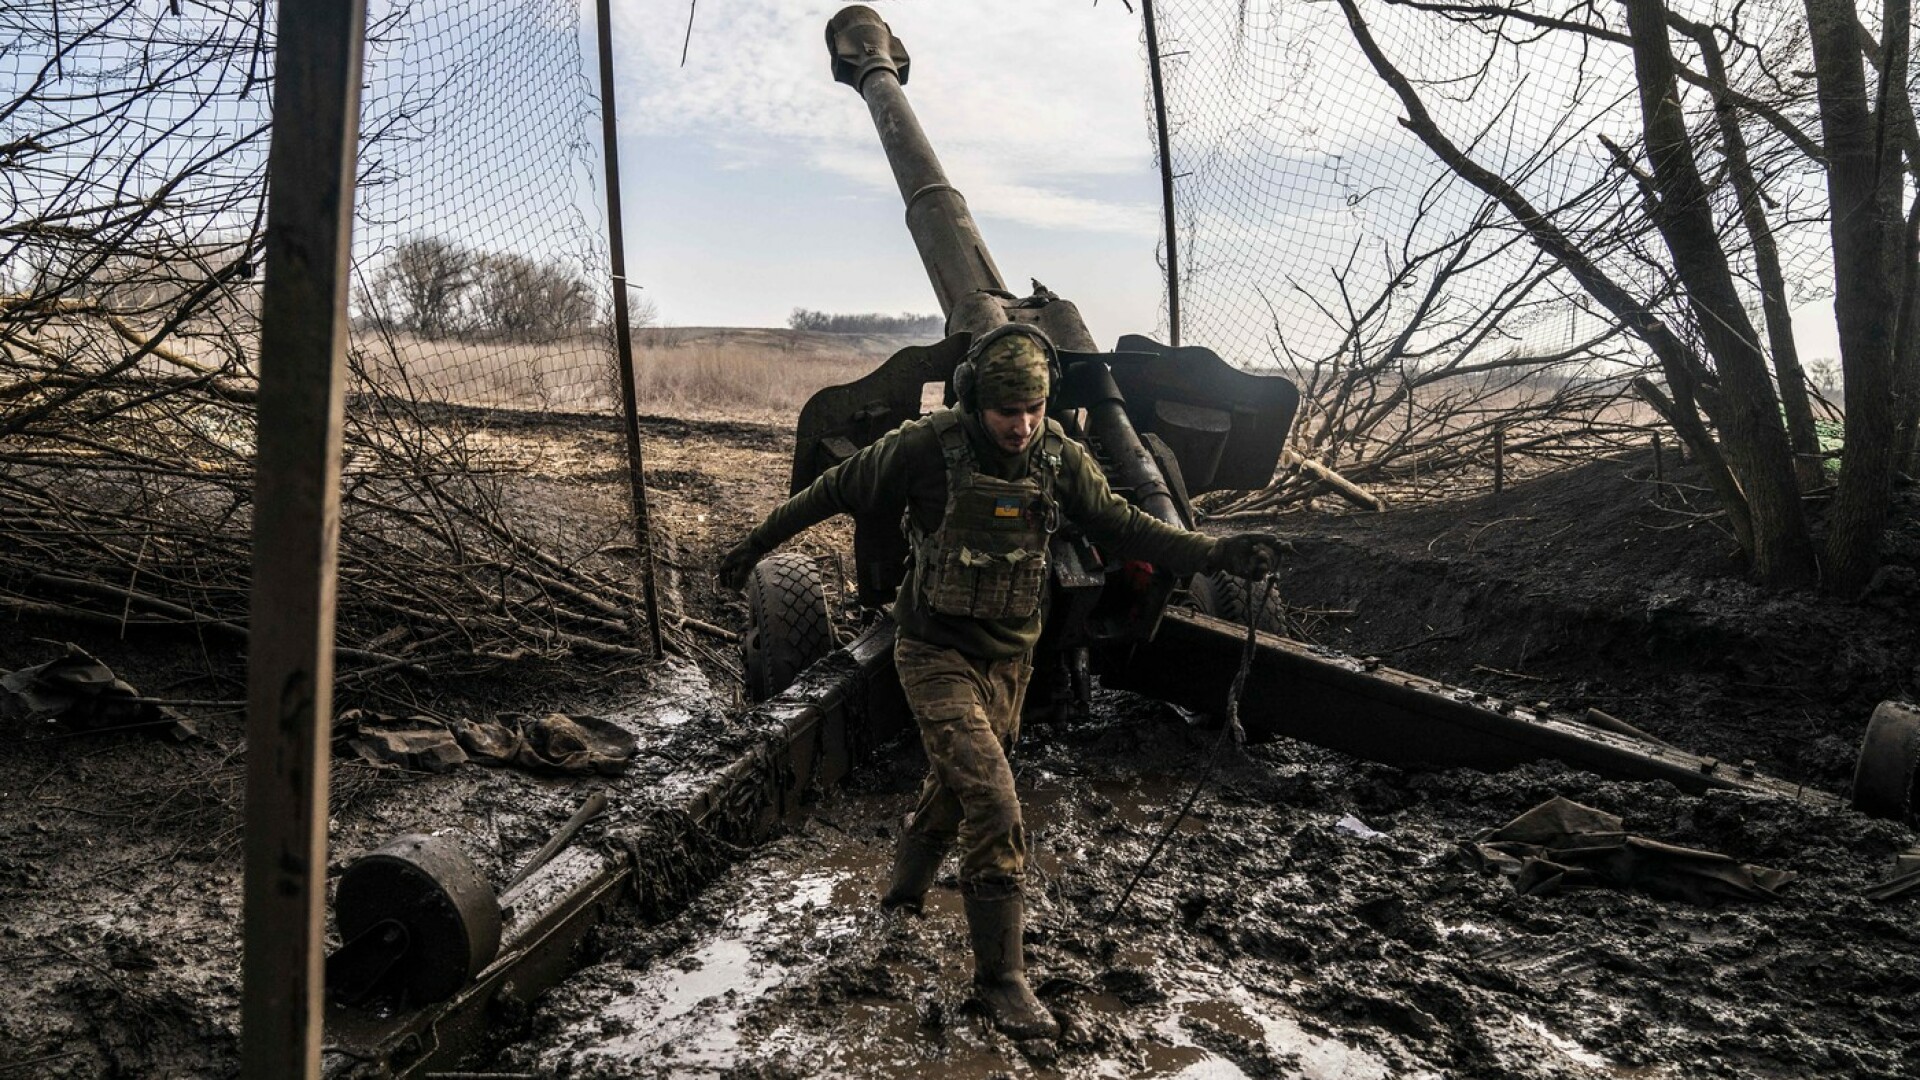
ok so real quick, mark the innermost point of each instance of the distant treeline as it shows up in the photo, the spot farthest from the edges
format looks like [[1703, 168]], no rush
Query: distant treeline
[[869, 323], [436, 288]]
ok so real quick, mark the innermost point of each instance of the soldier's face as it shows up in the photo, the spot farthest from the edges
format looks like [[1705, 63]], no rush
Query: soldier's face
[[1011, 427]]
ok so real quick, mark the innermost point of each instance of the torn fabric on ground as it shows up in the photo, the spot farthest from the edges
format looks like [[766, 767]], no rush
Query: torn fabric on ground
[[1562, 844], [553, 743]]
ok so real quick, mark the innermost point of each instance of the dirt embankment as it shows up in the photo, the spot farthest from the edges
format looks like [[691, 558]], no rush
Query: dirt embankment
[[1597, 587]]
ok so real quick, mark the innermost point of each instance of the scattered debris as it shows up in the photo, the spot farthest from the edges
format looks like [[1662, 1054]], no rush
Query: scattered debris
[[1354, 826], [1895, 887], [83, 694], [553, 743], [1561, 845], [1907, 862], [413, 743], [1905, 879]]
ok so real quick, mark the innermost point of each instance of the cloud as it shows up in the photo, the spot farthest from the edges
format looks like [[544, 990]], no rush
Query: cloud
[[1030, 104]]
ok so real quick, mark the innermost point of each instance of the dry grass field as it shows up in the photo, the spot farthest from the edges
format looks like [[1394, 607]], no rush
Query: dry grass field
[[731, 373]]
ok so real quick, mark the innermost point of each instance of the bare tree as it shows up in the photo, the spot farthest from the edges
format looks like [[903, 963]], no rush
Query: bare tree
[[643, 312], [1872, 151], [132, 154], [1427, 369], [423, 286], [133, 205], [864, 323], [526, 300], [1690, 265]]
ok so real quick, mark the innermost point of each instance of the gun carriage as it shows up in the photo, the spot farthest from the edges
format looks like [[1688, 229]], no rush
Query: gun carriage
[[1166, 424]]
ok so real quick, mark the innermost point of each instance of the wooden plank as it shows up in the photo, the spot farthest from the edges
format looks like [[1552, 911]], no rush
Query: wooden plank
[[303, 339]]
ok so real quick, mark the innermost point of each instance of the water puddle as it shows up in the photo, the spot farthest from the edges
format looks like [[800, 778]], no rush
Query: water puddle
[[1233, 1011], [687, 1008], [794, 966], [1533, 1032]]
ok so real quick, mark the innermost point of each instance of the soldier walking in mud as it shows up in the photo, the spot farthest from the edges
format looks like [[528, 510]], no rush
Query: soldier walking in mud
[[983, 487]]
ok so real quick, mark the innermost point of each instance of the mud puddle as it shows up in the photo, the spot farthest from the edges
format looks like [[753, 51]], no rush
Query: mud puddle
[[789, 966], [1312, 918], [120, 876]]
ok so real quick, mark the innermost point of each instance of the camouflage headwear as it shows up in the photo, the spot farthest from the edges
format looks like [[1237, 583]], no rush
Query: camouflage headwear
[[1011, 370]]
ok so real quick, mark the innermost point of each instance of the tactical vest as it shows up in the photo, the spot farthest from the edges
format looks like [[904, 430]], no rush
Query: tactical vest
[[988, 558]]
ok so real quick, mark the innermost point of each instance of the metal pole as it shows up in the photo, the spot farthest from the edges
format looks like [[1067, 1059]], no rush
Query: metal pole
[[1166, 172], [296, 522], [623, 334]]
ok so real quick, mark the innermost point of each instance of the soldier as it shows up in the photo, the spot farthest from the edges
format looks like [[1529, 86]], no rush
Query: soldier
[[983, 487]]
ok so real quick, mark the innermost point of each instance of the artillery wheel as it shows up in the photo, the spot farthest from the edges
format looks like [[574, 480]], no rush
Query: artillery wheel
[[788, 624], [430, 887], [1884, 779], [1226, 597]]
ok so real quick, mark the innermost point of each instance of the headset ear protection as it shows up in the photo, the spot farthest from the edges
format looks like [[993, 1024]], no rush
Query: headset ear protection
[[964, 373]]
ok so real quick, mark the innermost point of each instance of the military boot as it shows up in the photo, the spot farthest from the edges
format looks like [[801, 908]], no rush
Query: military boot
[[916, 863], [999, 971]]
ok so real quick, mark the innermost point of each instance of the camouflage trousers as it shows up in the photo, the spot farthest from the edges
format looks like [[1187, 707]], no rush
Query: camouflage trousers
[[969, 716]]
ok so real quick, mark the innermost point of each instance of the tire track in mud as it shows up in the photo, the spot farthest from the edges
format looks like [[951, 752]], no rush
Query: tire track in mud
[[1314, 918]]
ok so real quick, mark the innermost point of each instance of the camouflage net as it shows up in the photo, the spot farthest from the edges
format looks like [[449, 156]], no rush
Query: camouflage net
[[134, 151], [1319, 237]]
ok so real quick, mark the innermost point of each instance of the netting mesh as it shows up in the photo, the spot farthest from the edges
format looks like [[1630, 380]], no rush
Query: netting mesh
[[1321, 237], [480, 253], [133, 154]]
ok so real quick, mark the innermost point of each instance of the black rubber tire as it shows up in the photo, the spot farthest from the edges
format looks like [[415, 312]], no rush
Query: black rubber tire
[[1226, 597], [788, 623], [1886, 779]]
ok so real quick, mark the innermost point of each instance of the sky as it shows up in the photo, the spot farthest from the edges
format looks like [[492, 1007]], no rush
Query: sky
[[753, 183]]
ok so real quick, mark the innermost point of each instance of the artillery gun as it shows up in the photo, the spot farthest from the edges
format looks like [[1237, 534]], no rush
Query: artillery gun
[[1167, 424], [1164, 423]]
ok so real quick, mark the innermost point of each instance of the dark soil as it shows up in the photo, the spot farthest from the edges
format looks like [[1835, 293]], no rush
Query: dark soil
[[1269, 940], [1313, 916], [1597, 587]]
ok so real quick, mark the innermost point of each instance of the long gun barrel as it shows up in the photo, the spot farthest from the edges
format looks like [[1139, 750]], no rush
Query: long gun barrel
[[973, 296], [867, 57], [1163, 423]]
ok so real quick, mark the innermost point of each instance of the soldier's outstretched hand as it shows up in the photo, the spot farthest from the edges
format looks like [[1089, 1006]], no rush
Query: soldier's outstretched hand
[[1247, 555], [736, 566]]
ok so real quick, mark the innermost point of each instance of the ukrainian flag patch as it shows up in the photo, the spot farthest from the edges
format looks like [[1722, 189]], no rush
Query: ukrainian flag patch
[[1006, 507]]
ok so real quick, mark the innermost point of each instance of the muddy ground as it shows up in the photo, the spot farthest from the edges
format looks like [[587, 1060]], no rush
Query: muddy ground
[[1314, 916]]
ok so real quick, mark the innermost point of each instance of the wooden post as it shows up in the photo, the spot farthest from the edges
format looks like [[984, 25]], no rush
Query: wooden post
[[623, 333], [296, 524], [1166, 172], [1499, 460], [1659, 459]]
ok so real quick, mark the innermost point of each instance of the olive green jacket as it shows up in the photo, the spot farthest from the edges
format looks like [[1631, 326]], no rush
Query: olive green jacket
[[904, 471]]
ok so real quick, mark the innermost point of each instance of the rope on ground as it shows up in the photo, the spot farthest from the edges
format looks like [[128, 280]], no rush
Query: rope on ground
[[1231, 730]]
